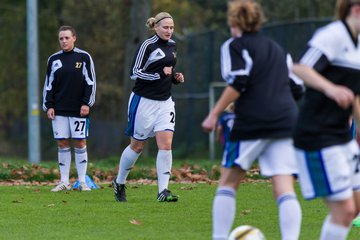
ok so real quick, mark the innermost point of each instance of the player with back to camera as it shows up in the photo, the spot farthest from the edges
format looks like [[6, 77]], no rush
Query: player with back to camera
[[327, 154], [255, 69], [151, 110], [69, 92]]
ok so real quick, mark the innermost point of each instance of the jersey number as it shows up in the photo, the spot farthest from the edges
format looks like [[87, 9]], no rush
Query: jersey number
[[172, 114], [79, 126], [78, 64]]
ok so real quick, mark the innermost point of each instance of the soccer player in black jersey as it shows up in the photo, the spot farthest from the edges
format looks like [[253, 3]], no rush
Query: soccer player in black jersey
[[328, 157], [151, 109], [255, 68], [69, 92]]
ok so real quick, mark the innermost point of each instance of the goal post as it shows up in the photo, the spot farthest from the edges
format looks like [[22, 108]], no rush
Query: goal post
[[212, 99]]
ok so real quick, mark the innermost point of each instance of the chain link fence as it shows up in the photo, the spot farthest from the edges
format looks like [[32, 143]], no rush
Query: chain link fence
[[198, 59]]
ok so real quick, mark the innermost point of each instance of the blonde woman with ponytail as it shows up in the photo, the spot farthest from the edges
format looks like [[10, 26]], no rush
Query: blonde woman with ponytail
[[151, 109], [328, 157]]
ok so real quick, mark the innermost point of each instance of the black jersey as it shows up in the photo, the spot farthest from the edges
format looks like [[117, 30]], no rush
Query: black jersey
[[70, 82], [147, 69], [335, 55], [256, 67]]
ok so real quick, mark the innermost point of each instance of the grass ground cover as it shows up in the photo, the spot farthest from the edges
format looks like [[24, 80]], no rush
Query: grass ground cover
[[106, 169], [33, 212]]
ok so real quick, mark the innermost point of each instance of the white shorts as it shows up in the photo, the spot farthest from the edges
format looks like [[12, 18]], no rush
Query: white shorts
[[147, 116], [70, 127], [332, 172], [275, 156]]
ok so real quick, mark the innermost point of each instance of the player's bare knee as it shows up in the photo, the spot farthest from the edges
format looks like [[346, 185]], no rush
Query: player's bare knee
[[232, 177], [344, 215], [137, 147], [165, 147], [63, 143], [351, 214], [80, 143], [164, 144]]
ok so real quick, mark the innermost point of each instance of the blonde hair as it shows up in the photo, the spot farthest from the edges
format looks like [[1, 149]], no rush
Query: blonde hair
[[151, 22], [343, 7], [245, 14]]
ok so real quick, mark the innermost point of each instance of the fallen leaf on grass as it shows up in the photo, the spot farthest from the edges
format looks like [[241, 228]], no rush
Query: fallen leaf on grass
[[135, 222], [245, 212], [187, 188], [36, 191], [64, 201], [51, 205], [16, 201]]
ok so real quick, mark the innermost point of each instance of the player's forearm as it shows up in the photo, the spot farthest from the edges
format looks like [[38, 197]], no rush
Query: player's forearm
[[229, 95], [312, 78]]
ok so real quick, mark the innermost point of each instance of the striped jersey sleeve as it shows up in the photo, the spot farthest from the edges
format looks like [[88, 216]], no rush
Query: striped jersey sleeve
[[141, 61], [90, 78], [236, 64]]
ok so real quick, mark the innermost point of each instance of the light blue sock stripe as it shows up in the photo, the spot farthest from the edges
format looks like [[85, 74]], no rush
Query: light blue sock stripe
[[226, 192], [63, 150], [286, 197], [80, 150]]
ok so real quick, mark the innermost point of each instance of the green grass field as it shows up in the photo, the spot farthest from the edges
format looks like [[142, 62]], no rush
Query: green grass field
[[33, 212]]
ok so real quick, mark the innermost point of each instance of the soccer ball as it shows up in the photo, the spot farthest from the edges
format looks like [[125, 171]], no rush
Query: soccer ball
[[246, 232]]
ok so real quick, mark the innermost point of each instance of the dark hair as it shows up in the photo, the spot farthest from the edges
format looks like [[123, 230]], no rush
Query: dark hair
[[245, 14], [65, 28], [343, 7]]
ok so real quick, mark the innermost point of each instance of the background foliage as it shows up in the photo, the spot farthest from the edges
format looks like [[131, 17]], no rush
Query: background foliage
[[104, 28]]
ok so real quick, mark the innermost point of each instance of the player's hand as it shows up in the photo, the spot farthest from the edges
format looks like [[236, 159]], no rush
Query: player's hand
[[168, 71], [209, 123], [84, 110], [179, 77], [342, 95], [51, 113]]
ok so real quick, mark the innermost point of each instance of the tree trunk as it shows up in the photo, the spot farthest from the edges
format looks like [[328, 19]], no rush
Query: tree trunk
[[140, 11]]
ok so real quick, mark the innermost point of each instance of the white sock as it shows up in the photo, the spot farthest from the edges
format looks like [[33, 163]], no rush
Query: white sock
[[224, 207], [163, 168], [332, 231], [127, 161], [64, 158], [289, 216], [81, 160]]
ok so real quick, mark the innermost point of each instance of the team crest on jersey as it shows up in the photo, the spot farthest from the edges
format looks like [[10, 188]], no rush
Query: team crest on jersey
[[78, 64]]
